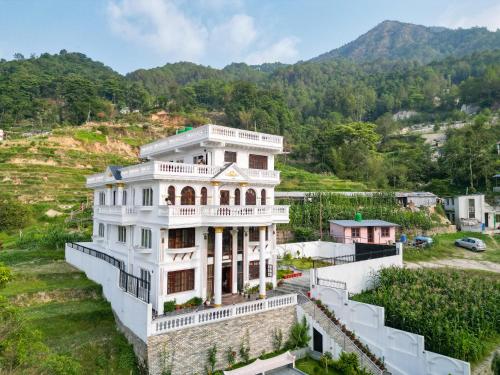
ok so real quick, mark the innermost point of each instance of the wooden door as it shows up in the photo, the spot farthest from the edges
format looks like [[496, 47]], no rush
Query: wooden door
[[370, 234]]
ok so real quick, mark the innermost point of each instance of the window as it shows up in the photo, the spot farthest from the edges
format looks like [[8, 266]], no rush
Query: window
[[257, 161], [250, 198], [122, 234], [180, 281], [101, 230], [237, 199], [102, 198], [181, 238], [171, 195], [187, 196], [146, 238], [355, 232], [224, 197], [114, 197], [124, 198], [145, 278], [472, 208], [229, 156], [198, 160], [253, 269], [263, 197], [385, 231], [254, 234], [147, 197], [203, 198]]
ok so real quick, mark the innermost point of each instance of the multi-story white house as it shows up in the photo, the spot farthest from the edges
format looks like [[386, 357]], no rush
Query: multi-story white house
[[471, 212], [196, 218]]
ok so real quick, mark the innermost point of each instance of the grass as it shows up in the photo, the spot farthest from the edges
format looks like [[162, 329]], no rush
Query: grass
[[302, 263], [444, 248], [296, 179], [69, 311], [311, 366]]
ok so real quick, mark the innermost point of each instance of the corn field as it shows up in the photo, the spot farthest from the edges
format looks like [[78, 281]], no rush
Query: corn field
[[457, 312], [383, 206]]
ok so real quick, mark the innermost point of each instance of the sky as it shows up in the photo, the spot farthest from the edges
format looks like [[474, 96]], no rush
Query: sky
[[133, 34]]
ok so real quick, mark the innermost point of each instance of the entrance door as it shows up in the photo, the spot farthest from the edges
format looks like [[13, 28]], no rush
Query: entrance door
[[486, 217], [224, 197], [226, 278], [317, 341], [370, 234]]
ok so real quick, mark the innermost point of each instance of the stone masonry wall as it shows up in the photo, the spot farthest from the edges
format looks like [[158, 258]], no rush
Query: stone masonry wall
[[187, 349]]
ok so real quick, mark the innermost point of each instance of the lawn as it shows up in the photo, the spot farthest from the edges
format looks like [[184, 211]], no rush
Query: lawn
[[311, 366], [304, 263], [457, 311], [444, 247], [68, 310]]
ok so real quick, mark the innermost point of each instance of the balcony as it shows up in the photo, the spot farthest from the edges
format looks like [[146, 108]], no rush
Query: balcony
[[213, 133], [224, 215], [120, 215]]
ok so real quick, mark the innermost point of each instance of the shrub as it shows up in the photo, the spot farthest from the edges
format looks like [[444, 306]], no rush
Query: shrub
[[13, 214], [212, 359], [303, 234], [277, 339], [61, 365], [5, 275], [195, 301], [245, 348], [169, 306], [299, 334], [230, 357]]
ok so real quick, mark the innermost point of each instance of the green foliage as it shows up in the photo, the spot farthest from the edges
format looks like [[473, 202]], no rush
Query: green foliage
[[245, 347], [230, 357], [302, 234], [61, 365], [299, 334], [382, 206], [456, 311], [169, 306], [5, 275], [13, 215], [52, 238], [212, 359], [495, 364], [277, 339]]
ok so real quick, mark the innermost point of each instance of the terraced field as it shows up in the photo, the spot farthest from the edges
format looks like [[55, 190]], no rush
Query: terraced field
[[68, 310]]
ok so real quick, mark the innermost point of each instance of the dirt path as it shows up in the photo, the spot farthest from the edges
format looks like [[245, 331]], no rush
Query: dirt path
[[482, 265]]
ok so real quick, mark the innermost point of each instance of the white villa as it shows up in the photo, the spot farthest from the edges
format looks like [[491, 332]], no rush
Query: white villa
[[197, 219]]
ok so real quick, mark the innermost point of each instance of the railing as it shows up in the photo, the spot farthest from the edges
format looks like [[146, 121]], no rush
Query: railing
[[222, 211], [131, 284], [351, 258], [183, 169], [115, 210], [330, 283], [172, 323], [211, 132]]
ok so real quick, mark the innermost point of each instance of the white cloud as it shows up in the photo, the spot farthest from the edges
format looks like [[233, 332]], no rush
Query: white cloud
[[234, 35], [456, 16], [285, 50], [160, 25], [167, 28]]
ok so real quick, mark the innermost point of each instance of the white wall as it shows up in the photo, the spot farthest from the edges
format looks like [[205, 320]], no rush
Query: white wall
[[132, 312], [403, 352], [315, 249], [357, 275]]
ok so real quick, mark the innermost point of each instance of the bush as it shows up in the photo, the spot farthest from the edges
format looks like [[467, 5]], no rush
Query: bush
[[304, 234], [61, 365], [13, 215], [5, 275], [299, 334], [195, 301], [169, 306], [54, 237]]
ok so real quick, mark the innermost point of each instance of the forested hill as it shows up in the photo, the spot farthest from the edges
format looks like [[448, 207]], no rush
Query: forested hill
[[393, 40]]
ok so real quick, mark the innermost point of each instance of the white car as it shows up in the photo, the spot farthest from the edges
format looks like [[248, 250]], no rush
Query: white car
[[474, 244]]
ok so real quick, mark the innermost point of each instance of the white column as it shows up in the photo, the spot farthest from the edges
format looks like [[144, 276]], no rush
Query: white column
[[119, 194], [218, 267], [272, 251], [204, 259], [215, 193], [109, 197], [262, 262], [245, 256], [234, 261]]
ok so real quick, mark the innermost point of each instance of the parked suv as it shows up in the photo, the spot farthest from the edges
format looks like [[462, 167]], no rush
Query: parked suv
[[474, 244]]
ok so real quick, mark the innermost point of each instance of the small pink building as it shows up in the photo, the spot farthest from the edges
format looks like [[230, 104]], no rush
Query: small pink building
[[364, 231]]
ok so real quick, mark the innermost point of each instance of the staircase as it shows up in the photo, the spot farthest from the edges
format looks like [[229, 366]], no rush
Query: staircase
[[339, 337], [299, 286]]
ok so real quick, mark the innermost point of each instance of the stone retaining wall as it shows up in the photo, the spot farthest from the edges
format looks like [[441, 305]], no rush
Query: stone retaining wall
[[187, 349]]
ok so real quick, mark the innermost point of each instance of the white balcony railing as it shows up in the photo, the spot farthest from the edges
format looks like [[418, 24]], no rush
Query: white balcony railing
[[115, 210], [180, 321], [213, 133], [166, 169], [222, 211]]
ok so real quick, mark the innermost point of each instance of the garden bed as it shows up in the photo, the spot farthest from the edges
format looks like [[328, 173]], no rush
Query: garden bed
[[458, 312]]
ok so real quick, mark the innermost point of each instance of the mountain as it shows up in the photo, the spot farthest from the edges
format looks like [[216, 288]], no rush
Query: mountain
[[393, 40]]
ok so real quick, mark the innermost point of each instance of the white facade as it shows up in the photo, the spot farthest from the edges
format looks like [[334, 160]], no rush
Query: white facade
[[197, 219], [470, 212]]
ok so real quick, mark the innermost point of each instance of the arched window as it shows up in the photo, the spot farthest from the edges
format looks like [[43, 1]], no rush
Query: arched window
[[203, 200], [263, 197], [237, 200], [171, 195], [187, 196], [250, 198]]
